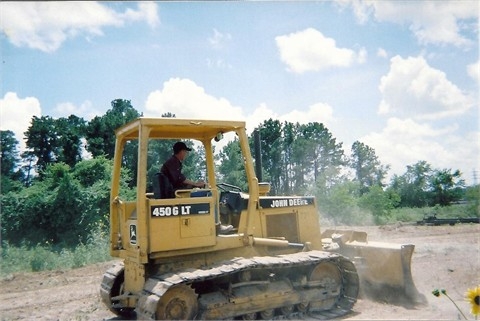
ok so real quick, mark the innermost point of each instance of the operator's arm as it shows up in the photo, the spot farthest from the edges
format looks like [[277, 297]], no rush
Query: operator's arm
[[199, 184]]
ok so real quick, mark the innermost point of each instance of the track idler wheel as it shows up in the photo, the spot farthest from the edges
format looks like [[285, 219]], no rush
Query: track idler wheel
[[113, 286], [329, 278], [178, 303]]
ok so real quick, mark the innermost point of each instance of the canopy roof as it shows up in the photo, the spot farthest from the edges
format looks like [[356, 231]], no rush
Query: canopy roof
[[174, 128]]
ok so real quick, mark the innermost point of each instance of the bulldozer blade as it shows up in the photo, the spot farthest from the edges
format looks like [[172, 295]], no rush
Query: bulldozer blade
[[384, 269]]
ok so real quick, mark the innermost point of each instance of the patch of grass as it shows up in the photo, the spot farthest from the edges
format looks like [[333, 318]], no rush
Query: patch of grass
[[46, 257], [417, 214], [408, 214]]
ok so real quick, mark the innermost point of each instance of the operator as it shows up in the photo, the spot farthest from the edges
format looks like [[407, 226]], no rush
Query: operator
[[172, 168]]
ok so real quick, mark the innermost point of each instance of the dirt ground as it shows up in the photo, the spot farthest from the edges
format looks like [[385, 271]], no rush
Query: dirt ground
[[445, 257]]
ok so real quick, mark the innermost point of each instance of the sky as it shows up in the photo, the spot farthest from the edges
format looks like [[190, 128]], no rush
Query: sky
[[399, 76]]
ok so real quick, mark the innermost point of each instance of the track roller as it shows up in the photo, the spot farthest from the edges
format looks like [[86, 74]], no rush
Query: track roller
[[267, 314], [178, 303], [303, 307]]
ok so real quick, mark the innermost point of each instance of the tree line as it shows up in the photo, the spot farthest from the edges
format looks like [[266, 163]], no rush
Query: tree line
[[299, 157], [53, 193]]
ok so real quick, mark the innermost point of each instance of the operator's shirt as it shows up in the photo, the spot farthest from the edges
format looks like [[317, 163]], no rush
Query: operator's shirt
[[173, 169]]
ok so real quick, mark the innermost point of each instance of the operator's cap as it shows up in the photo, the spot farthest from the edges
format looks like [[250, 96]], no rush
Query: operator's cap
[[179, 146]]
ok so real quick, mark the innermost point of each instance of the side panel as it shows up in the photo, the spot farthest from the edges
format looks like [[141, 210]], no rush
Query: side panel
[[294, 218], [123, 215], [283, 226], [309, 225], [181, 223]]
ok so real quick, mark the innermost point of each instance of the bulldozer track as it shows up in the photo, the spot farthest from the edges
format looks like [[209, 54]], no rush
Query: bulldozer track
[[156, 286]]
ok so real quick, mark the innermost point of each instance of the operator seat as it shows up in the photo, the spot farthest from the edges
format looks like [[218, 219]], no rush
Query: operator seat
[[162, 188]]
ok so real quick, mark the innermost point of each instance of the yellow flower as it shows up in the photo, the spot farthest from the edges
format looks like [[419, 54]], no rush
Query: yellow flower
[[473, 296]]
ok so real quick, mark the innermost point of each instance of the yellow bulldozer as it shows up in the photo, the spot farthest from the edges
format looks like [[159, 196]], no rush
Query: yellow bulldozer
[[274, 264]]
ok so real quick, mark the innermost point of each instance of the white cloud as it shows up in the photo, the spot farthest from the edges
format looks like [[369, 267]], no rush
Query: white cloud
[[259, 115], [319, 112], [310, 50], [219, 40], [85, 110], [382, 53], [146, 11], [361, 56], [473, 71], [218, 63], [16, 114], [186, 99], [414, 89], [360, 8], [405, 142], [46, 25], [432, 22]]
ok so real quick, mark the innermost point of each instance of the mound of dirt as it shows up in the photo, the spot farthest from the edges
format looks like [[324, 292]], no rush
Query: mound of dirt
[[445, 257]]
